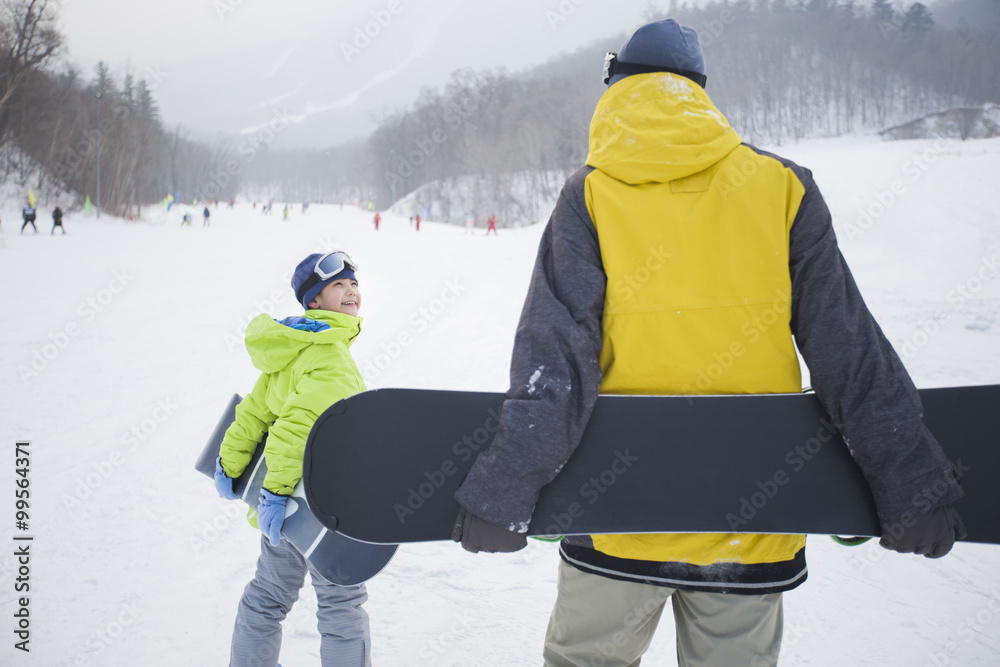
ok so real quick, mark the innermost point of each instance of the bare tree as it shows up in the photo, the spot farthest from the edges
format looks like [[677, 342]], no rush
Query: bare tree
[[28, 38]]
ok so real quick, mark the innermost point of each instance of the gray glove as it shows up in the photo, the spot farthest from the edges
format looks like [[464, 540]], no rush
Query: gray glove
[[931, 534], [477, 535]]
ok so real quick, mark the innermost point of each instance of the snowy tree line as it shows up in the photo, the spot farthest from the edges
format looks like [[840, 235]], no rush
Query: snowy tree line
[[54, 124], [789, 69], [778, 69], [499, 129]]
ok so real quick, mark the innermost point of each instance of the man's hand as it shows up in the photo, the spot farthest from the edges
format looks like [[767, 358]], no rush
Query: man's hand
[[477, 535], [931, 534]]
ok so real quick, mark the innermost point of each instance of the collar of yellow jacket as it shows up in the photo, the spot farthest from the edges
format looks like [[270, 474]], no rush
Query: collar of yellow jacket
[[273, 346], [350, 324], [656, 128]]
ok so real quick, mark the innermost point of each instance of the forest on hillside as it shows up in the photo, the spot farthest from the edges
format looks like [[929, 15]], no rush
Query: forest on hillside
[[780, 70], [55, 122]]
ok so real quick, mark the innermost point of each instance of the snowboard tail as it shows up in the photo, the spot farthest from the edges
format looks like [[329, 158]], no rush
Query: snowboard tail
[[341, 560], [645, 464]]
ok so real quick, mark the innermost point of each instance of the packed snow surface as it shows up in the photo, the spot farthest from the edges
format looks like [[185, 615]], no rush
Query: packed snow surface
[[121, 343]]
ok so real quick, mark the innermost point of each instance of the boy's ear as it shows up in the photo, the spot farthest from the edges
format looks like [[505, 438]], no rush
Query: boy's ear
[[313, 305]]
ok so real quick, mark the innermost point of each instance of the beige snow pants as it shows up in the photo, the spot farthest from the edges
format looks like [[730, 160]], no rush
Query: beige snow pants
[[601, 622]]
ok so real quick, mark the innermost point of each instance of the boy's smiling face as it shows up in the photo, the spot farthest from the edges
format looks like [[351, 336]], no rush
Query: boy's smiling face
[[340, 296]]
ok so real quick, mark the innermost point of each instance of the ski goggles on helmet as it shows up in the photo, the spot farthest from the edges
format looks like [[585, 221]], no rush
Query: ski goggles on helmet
[[326, 267], [333, 263]]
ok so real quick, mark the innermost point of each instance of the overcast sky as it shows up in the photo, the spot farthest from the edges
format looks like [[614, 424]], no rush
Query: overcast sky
[[231, 65]]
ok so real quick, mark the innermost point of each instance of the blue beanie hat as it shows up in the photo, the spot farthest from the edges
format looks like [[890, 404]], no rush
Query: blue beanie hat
[[661, 46], [306, 270]]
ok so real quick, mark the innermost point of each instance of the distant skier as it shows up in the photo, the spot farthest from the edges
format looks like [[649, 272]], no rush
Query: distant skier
[[470, 223], [378, 219], [206, 213], [492, 225], [416, 220], [57, 216], [29, 218], [284, 214]]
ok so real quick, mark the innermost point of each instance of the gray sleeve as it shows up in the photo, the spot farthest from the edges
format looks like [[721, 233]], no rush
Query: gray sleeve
[[555, 370], [856, 373]]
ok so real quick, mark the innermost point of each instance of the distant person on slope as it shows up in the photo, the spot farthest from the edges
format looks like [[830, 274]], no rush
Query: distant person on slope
[[29, 218], [57, 218], [206, 213], [306, 366]]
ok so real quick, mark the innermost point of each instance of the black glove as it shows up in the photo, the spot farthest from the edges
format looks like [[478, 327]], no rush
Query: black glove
[[477, 535], [931, 534]]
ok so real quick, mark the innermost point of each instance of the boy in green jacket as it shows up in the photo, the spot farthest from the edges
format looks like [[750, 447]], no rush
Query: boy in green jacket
[[306, 366]]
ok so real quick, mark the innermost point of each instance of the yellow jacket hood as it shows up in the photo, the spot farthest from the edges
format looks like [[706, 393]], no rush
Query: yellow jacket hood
[[274, 345], [656, 128]]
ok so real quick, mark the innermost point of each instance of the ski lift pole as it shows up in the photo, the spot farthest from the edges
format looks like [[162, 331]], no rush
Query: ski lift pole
[[98, 96]]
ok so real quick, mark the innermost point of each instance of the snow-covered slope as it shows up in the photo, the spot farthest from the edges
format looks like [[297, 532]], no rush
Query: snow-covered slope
[[121, 343]]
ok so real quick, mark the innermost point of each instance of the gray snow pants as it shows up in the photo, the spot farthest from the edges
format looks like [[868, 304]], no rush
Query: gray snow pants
[[267, 599], [601, 622]]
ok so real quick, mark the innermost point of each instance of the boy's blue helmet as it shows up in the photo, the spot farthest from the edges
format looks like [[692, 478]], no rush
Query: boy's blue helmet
[[306, 272]]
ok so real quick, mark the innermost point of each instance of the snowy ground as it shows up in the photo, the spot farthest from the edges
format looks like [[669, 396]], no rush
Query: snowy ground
[[120, 344]]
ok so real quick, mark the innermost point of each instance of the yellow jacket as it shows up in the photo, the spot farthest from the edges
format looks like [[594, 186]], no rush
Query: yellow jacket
[[672, 186], [306, 366], [682, 261]]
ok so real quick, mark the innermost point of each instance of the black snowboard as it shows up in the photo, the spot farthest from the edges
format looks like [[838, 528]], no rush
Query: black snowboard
[[339, 559], [382, 466]]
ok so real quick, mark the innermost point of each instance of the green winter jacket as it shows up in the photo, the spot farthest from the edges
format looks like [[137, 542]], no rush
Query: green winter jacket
[[306, 366]]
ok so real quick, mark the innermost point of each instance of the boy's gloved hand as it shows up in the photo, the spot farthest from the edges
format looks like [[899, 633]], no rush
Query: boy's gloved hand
[[477, 535], [931, 534], [223, 482], [271, 515]]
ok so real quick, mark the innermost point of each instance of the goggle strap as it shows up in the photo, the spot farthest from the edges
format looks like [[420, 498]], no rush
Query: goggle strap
[[616, 66]]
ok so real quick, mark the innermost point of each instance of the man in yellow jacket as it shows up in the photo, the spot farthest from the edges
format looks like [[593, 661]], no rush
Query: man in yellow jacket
[[675, 242]]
